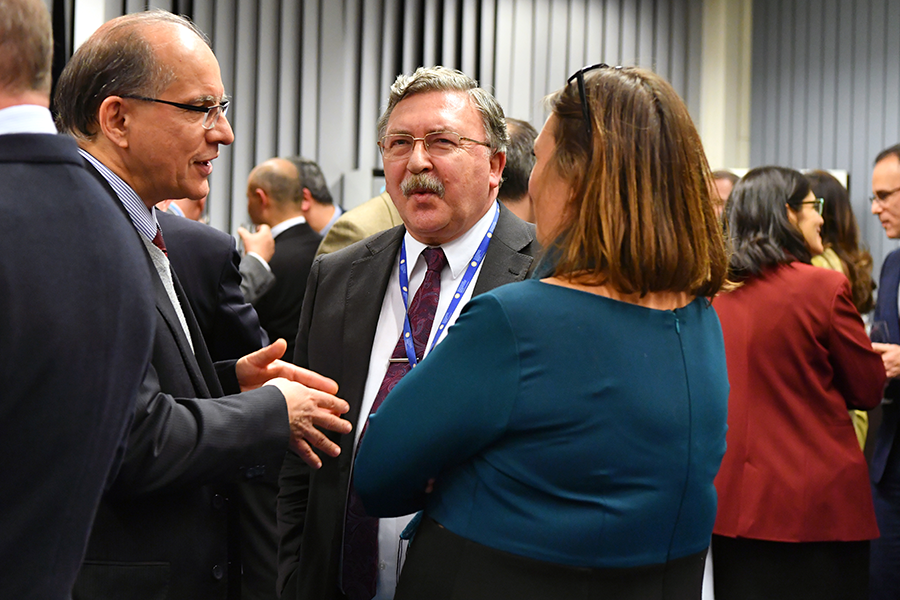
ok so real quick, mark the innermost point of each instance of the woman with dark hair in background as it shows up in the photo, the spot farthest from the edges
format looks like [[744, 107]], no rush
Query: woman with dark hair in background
[[795, 509], [573, 424], [840, 237]]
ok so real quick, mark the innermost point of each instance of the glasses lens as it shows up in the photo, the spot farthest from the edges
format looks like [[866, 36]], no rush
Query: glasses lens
[[212, 115], [441, 143], [396, 146]]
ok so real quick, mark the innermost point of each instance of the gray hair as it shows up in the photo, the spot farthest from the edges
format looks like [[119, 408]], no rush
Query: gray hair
[[117, 60], [442, 79]]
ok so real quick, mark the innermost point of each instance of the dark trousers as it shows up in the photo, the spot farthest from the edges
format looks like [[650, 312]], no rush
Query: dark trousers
[[745, 569], [884, 568], [444, 566]]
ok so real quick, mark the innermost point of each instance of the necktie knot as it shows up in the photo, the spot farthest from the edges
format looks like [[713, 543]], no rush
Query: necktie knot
[[435, 259], [158, 241]]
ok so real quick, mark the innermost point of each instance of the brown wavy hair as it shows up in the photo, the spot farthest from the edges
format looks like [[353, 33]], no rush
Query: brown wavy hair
[[642, 217], [841, 233]]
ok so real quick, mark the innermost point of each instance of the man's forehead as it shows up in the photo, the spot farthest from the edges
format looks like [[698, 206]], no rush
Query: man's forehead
[[451, 107]]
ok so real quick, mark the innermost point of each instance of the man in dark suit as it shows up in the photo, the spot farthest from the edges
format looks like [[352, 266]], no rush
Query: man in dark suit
[[275, 198], [145, 100], [884, 567], [77, 325], [207, 262], [445, 190]]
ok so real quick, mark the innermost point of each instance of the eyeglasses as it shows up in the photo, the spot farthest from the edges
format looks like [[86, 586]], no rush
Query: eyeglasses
[[397, 146], [585, 109], [212, 112], [819, 204], [882, 197]]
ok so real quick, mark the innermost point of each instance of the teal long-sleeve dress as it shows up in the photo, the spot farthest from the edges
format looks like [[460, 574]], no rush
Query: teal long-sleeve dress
[[560, 426]]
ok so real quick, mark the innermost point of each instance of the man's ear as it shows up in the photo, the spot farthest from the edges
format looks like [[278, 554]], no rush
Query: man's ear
[[498, 161], [307, 201], [114, 120]]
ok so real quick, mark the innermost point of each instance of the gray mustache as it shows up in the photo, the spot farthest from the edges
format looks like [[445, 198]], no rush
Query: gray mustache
[[422, 181]]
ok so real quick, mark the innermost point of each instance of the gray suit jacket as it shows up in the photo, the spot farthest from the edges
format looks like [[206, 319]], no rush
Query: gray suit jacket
[[337, 328]]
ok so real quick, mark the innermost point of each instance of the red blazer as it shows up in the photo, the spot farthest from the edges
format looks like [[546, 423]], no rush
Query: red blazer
[[798, 357]]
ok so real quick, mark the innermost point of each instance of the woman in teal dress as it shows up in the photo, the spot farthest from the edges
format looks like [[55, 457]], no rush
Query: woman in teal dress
[[563, 440]]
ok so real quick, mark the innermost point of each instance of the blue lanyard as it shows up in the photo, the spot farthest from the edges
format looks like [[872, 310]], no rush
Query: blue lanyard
[[460, 290]]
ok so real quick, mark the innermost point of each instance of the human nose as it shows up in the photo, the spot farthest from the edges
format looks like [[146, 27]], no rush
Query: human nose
[[876, 206], [419, 159], [222, 133]]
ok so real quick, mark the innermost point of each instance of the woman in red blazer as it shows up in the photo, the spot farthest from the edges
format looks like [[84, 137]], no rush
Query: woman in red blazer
[[795, 510]]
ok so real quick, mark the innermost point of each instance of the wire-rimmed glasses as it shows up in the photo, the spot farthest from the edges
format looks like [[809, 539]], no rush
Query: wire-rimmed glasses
[[212, 112], [397, 146]]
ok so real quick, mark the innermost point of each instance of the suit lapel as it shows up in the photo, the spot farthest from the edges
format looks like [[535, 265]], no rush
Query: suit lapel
[[506, 260], [888, 290], [367, 282], [167, 311]]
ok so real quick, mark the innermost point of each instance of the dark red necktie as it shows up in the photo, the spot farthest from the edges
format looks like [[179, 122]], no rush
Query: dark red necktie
[[360, 564], [158, 241]]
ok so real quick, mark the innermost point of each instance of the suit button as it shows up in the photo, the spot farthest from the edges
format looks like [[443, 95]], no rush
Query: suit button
[[218, 501], [218, 572]]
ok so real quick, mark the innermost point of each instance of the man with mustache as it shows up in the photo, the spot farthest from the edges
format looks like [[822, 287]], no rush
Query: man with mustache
[[443, 140]]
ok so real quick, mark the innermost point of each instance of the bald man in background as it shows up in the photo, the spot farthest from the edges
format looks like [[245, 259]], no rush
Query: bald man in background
[[275, 198]]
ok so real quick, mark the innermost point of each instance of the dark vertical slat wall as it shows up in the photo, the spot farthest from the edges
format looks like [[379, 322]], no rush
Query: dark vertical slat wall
[[826, 92], [311, 77]]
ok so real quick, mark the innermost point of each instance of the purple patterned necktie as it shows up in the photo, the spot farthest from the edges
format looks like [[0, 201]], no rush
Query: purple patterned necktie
[[360, 568]]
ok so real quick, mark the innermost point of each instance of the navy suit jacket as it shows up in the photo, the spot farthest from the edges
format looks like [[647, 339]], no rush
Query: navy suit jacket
[[75, 341], [206, 263], [886, 310], [167, 528], [337, 328]]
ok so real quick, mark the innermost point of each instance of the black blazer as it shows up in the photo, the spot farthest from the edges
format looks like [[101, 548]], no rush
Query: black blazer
[[166, 528], [885, 462], [337, 328], [74, 345], [206, 262], [279, 308]]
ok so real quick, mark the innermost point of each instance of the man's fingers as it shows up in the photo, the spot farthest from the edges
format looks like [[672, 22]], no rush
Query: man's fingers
[[331, 422], [314, 380], [306, 453], [318, 440], [332, 404]]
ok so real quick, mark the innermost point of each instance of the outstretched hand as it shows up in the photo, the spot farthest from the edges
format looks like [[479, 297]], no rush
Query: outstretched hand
[[256, 368], [310, 398]]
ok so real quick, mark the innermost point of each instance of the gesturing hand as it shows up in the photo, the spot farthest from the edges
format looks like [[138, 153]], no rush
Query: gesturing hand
[[256, 368], [308, 409]]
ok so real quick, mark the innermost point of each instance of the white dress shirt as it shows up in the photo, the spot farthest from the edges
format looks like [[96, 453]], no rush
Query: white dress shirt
[[26, 118], [390, 325]]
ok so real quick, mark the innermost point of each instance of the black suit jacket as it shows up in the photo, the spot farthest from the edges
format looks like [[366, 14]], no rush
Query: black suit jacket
[[885, 463], [337, 328], [74, 344], [279, 308], [167, 527], [206, 262]]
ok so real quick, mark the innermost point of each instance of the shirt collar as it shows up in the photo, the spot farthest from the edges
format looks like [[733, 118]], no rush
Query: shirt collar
[[143, 218], [458, 252], [26, 118], [285, 225]]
